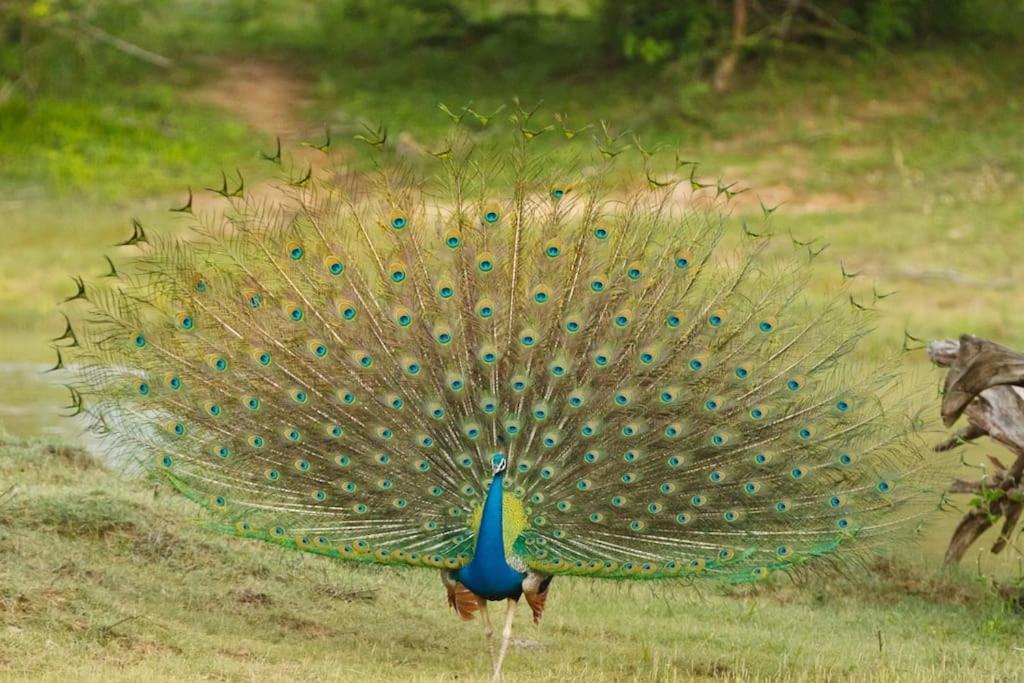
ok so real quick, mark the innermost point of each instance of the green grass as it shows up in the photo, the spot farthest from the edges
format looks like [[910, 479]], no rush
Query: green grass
[[908, 167], [114, 144], [108, 578]]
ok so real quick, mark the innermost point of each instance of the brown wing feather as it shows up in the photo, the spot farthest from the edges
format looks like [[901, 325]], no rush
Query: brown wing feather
[[535, 590], [461, 599]]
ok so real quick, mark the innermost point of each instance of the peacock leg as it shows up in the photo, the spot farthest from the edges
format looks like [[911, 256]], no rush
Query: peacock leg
[[488, 630], [506, 636]]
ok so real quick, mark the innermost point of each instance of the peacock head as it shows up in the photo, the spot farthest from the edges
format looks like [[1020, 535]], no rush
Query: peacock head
[[499, 463]]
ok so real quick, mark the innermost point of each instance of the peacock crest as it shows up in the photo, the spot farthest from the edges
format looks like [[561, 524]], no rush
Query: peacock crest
[[332, 368]]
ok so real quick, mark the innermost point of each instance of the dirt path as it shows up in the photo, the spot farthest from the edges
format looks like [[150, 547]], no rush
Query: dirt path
[[267, 96]]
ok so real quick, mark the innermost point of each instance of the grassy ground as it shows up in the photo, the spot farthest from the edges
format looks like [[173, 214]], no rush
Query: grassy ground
[[106, 578], [909, 167]]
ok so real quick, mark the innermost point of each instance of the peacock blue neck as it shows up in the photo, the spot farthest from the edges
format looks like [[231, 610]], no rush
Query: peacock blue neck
[[488, 574], [490, 540]]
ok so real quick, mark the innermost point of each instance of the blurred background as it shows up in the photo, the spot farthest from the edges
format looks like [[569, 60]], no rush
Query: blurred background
[[889, 130], [889, 134]]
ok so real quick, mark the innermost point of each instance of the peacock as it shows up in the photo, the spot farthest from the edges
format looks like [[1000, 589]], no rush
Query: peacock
[[530, 351]]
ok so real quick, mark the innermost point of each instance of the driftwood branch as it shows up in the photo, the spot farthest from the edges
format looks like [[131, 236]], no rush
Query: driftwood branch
[[984, 385]]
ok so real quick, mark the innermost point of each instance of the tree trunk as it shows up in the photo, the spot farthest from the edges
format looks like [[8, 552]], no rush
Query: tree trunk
[[727, 65]]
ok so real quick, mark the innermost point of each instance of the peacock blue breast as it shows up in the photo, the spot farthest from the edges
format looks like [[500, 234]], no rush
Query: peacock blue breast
[[488, 574]]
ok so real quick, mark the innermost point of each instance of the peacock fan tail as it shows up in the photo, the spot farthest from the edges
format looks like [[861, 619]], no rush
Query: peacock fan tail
[[332, 368]]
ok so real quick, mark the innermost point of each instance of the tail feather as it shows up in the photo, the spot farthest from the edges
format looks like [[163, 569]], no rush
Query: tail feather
[[332, 368]]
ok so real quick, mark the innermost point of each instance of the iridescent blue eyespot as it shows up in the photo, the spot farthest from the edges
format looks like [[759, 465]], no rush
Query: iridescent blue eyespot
[[143, 388], [296, 314], [336, 267], [765, 326], [446, 292], [673, 321], [491, 216], [296, 253], [742, 373], [398, 222], [140, 341], [842, 406], [696, 364], [600, 233]]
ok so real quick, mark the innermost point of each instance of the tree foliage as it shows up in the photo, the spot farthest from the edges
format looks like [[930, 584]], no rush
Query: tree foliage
[[655, 31]]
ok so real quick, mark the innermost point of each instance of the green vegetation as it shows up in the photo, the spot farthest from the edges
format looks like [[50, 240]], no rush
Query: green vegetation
[[906, 160], [105, 578]]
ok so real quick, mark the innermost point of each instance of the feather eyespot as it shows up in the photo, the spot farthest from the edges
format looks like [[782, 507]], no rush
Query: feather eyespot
[[398, 220], [453, 239], [396, 272], [334, 265]]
